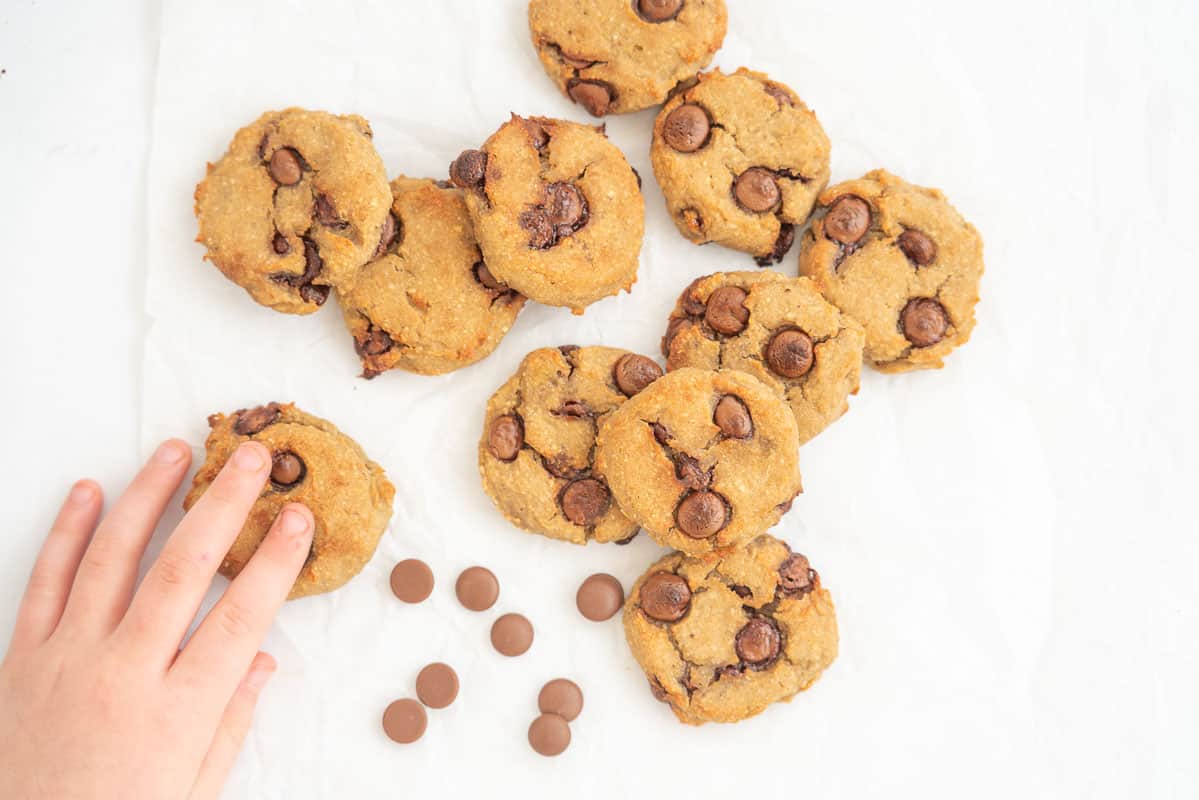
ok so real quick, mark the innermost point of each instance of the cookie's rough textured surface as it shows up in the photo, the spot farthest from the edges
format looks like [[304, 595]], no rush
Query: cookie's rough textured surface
[[722, 640], [427, 303], [314, 464], [297, 204], [615, 56], [899, 259], [556, 209], [702, 460], [778, 329], [537, 452], [740, 160]]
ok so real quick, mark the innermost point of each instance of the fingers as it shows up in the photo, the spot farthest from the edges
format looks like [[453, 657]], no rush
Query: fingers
[[232, 730], [108, 571], [217, 653], [50, 581], [168, 598]]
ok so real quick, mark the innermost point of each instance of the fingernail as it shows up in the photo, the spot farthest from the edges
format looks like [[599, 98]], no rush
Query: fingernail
[[258, 678], [249, 458], [168, 453], [292, 522], [81, 492]]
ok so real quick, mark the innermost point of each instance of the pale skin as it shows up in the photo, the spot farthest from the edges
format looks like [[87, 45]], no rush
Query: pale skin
[[96, 697]]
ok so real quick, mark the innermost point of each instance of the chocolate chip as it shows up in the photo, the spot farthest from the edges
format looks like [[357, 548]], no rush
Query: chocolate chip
[[326, 214], [536, 221], [726, 312], [584, 501], [689, 472], [506, 437], [795, 574], [924, 321], [568, 349], [665, 597], [512, 635], [659, 10], [252, 421], [782, 244], [686, 128], [790, 353], [469, 169], [591, 95], [477, 589], [284, 167], [412, 580], [539, 137], [565, 205], [673, 329], [626, 540], [756, 190], [560, 466], [781, 95], [574, 409], [661, 433], [701, 515], [391, 227], [633, 373], [405, 721], [562, 697], [741, 591], [287, 469], [280, 244], [376, 342], [758, 642], [657, 691], [549, 735], [599, 597], [483, 275], [732, 417], [847, 219], [689, 300], [918, 247], [317, 295], [437, 685], [693, 222]]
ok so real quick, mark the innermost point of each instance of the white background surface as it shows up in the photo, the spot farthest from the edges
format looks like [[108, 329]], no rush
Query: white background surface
[[1009, 540]]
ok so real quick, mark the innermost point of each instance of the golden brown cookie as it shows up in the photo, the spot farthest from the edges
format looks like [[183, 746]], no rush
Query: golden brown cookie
[[722, 640], [616, 56], [314, 464], [740, 160], [778, 329], [537, 451], [427, 303], [557, 210], [899, 259], [296, 205], [702, 460]]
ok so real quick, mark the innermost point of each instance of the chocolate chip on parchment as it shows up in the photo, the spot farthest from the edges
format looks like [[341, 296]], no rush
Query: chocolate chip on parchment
[[549, 735], [405, 721], [477, 588], [437, 685], [562, 697], [512, 635], [411, 580], [599, 597]]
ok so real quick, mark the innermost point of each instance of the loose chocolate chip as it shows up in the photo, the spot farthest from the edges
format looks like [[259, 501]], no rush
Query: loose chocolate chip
[[391, 226], [756, 190], [584, 501], [477, 588], [633, 373], [665, 597], [795, 574], [790, 354], [689, 472], [779, 94], [565, 205], [405, 721], [541, 231], [284, 167], [918, 247], [549, 735], [287, 469], [469, 169], [506, 437], [562, 697], [758, 642], [686, 128], [591, 95], [924, 321], [701, 515], [847, 219], [512, 635], [599, 598], [254, 420], [574, 409], [326, 214], [412, 580], [726, 312], [317, 295], [437, 685], [659, 10], [782, 244], [280, 244], [732, 417], [376, 342]]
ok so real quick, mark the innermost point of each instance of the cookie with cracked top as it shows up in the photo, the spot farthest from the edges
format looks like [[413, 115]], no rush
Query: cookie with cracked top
[[537, 451], [556, 209], [296, 205], [902, 261], [617, 56], [427, 303], [722, 640], [740, 160], [312, 463], [778, 329], [703, 460]]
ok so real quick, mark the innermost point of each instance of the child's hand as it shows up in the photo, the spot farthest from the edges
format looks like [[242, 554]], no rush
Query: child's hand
[[96, 698]]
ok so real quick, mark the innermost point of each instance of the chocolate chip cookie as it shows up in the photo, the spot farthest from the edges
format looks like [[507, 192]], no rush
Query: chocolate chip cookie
[[427, 303], [899, 259], [778, 329], [312, 463], [557, 210], [616, 56], [740, 159], [296, 205], [537, 451], [722, 640], [702, 460]]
